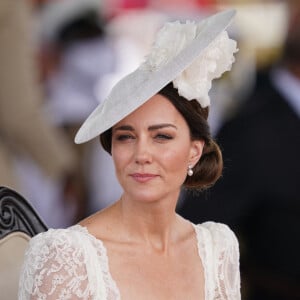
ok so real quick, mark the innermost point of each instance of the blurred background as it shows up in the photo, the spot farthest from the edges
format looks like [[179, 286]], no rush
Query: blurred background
[[59, 59]]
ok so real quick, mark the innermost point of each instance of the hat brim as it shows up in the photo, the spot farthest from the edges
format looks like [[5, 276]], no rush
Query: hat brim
[[136, 88]]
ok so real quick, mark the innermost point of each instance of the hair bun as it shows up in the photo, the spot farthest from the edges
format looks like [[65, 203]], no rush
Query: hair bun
[[209, 168]]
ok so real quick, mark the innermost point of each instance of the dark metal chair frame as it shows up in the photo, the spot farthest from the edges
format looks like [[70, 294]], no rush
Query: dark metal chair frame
[[18, 215]]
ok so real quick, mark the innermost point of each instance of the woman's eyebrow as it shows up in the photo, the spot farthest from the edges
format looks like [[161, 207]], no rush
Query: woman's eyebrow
[[150, 128], [124, 127], [159, 126]]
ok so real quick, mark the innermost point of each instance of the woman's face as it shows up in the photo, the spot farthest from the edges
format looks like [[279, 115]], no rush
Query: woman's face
[[152, 149]]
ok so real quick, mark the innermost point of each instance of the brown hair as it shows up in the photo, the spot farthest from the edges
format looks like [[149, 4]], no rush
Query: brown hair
[[209, 167]]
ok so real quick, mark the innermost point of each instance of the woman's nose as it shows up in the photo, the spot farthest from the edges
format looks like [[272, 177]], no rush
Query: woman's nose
[[143, 152]]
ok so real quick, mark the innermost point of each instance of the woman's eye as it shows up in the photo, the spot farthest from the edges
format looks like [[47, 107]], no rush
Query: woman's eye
[[124, 137], [161, 136]]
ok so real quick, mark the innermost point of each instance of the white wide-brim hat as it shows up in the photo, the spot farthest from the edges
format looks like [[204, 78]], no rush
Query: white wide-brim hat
[[139, 86]]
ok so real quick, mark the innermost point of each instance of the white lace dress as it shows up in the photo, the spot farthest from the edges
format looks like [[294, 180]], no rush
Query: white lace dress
[[72, 264]]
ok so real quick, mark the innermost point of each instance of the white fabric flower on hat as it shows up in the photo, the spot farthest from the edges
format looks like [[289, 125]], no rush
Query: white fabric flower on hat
[[170, 41], [196, 80]]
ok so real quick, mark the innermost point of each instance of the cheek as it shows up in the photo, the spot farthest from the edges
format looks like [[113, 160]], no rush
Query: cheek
[[175, 160], [119, 156], [119, 161]]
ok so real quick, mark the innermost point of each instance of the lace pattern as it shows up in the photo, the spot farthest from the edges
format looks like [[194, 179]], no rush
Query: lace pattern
[[73, 264], [66, 264], [112, 291], [219, 251]]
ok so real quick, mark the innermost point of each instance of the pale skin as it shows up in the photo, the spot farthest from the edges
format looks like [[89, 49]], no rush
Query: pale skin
[[152, 251]]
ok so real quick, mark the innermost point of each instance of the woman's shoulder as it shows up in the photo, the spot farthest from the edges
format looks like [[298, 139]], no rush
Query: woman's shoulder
[[63, 246], [59, 246], [58, 240], [55, 258], [219, 250], [217, 232], [71, 234], [218, 242]]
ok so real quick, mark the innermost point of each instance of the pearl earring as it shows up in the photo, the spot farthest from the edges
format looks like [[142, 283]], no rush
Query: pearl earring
[[190, 171]]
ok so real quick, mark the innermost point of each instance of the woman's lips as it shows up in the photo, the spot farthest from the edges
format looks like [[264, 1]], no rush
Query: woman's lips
[[143, 177]]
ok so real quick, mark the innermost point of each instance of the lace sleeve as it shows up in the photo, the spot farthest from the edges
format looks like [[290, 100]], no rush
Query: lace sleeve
[[226, 266], [55, 267]]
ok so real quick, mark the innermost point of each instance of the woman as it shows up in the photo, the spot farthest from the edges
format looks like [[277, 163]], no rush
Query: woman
[[154, 125]]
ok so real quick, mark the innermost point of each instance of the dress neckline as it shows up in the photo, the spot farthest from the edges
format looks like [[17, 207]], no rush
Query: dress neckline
[[105, 260]]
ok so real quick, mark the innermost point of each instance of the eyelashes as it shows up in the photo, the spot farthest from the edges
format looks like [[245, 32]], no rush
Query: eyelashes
[[164, 136], [124, 137], [128, 137]]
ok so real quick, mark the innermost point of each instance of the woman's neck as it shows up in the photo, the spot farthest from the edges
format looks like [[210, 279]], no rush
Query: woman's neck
[[154, 224]]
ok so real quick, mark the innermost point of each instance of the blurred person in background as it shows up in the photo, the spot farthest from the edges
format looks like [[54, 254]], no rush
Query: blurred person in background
[[258, 195], [25, 133], [76, 55]]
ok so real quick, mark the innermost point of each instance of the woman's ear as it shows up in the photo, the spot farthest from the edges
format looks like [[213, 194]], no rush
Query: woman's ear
[[196, 151]]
